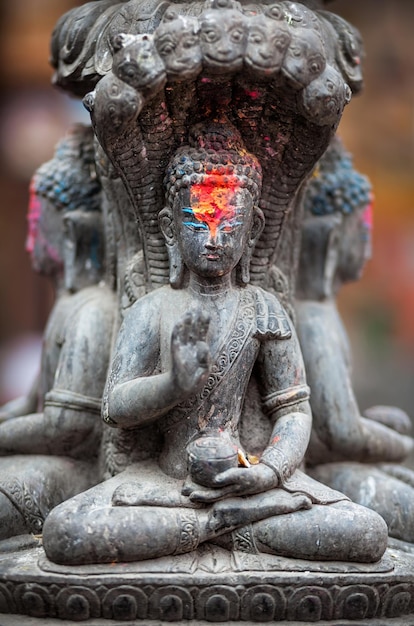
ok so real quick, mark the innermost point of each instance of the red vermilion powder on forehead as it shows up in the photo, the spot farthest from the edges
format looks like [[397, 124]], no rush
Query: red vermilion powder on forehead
[[213, 201]]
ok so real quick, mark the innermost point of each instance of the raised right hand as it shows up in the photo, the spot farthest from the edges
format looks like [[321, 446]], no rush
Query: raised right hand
[[190, 354]]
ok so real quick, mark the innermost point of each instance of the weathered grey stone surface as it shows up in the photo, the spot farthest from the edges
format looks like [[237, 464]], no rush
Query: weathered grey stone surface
[[210, 118]]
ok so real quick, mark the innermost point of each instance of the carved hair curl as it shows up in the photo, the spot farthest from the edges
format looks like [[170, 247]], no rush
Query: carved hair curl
[[336, 187], [216, 150], [69, 179]]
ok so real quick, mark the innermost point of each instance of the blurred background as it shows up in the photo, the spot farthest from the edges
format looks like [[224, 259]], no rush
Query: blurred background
[[378, 128]]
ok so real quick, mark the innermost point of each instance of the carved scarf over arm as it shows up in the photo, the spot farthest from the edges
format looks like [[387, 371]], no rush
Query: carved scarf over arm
[[284, 392]]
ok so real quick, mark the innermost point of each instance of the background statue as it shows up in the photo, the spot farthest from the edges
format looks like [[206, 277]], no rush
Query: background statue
[[186, 367], [54, 450], [347, 449]]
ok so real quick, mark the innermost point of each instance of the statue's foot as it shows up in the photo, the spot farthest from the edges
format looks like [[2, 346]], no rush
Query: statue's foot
[[234, 512]]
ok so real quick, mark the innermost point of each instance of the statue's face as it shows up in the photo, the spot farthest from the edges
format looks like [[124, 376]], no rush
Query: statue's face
[[266, 44], [115, 100], [223, 38], [305, 58], [44, 240], [213, 227], [324, 99], [138, 63], [178, 45]]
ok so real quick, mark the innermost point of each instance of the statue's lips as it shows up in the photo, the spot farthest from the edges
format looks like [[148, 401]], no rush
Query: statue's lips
[[212, 257], [263, 66], [220, 59], [187, 63]]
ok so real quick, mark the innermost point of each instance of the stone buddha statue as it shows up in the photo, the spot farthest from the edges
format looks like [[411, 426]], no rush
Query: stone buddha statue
[[182, 362], [50, 453], [351, 452]]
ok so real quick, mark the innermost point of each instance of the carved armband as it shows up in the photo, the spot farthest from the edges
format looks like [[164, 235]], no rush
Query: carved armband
[[273, 457], [285, 398], [62, 398]]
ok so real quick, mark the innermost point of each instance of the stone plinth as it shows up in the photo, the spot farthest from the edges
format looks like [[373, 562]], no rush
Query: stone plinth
[[210, 585]]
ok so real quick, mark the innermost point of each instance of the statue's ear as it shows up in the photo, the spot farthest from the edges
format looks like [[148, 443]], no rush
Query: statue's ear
[[166, 222], [83, 246], [332, 255], [318, 256], [258, 223], [70, 230], [243, 268]]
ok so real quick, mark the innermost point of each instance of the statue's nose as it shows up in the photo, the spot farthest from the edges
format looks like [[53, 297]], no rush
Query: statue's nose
[[214, 240], [225, 47]]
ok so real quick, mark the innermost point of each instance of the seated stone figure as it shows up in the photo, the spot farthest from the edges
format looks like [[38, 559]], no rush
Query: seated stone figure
[[183, 359], [50, 455], [346, 448]]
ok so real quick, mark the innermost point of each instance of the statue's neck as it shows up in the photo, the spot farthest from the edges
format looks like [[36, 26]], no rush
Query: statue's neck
[[217, 286], [320, 283], [58, 284]]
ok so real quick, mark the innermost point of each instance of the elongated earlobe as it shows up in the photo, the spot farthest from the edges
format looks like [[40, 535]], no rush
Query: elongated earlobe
[[70, 253], [331, 261], [243, 268], [177, 269], [83, 249]]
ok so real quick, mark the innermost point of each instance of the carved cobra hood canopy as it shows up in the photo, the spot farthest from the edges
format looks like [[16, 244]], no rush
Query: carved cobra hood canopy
[[280, 72]]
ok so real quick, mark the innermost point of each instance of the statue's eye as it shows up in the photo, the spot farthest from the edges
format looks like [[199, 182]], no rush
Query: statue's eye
[[166, 48], [281, 42], [256, 37], [211, 35], [226, 228], [190, 42], [315, 66], [128, 69], [196, 226], [229, 227], [236, 35]]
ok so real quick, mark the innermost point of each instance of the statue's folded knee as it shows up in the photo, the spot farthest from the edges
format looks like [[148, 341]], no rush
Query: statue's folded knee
[[63, 536], [364, 530]]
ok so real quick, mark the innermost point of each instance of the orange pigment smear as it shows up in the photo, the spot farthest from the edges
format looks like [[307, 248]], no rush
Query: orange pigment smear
[[212, 201]]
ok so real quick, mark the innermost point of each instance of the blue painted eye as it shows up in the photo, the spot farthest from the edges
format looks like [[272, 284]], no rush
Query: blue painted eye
[[197, 226], [193, 225]]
